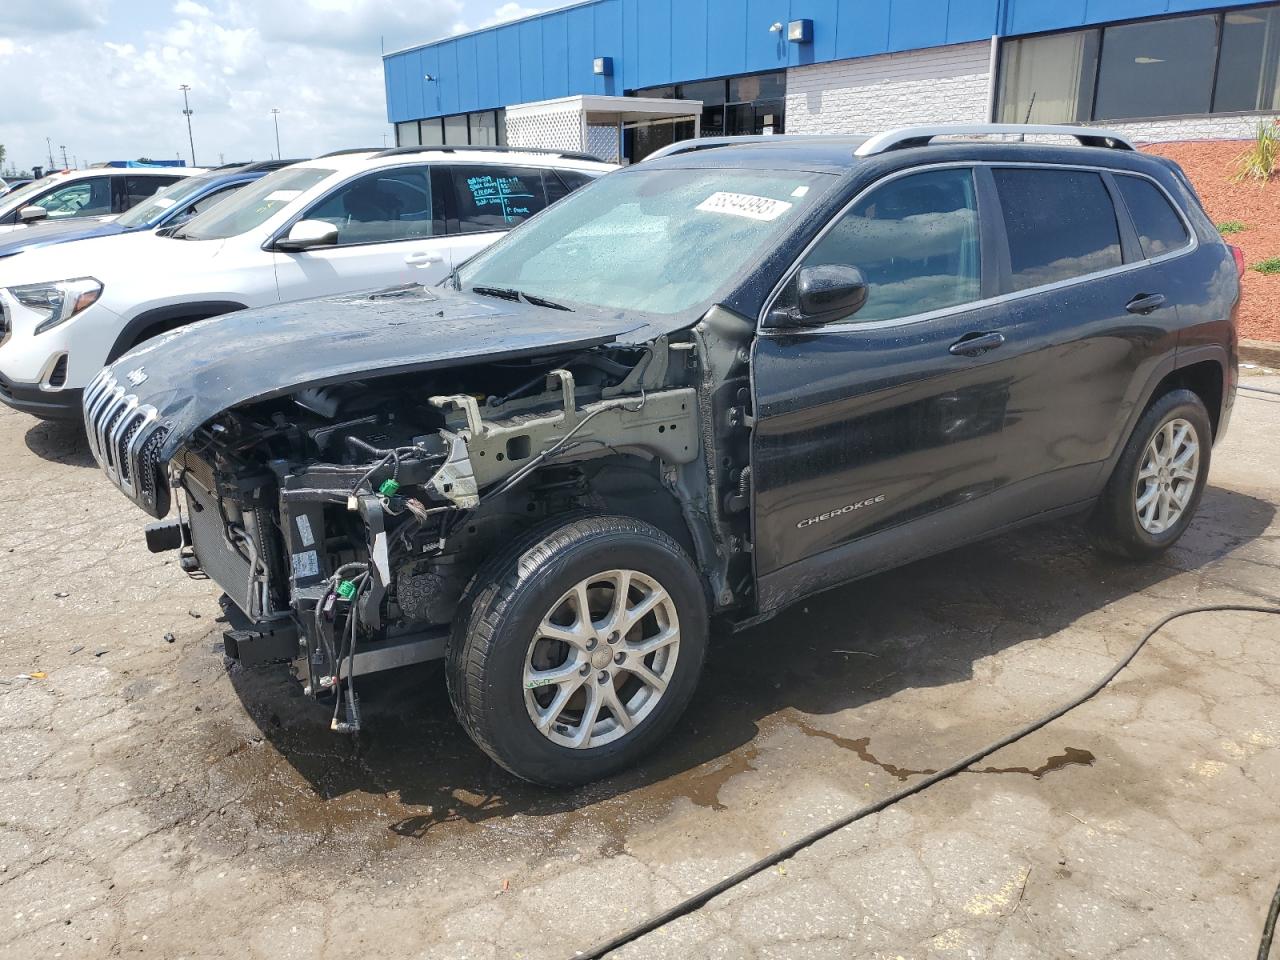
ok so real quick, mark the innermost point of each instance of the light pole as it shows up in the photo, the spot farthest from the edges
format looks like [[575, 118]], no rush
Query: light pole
[[49, 143], [186, 111], [275, 118], [63, 148]]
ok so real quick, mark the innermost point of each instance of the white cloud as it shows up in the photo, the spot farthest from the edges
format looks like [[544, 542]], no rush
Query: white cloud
[[510, 11], [117, 98]]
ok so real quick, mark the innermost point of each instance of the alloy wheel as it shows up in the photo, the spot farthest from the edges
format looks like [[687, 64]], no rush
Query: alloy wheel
[[1168, 476], [601, 659]]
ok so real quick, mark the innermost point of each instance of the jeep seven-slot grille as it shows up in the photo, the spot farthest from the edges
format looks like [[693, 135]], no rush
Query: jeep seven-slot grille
[[123, 440]]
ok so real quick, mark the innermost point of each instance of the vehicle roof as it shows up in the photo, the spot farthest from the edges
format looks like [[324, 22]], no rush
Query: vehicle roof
[[838, 153], [375, 159]]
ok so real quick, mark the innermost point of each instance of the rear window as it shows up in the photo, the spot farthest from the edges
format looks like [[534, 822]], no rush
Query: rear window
[[1160, 229], [1061, 224]]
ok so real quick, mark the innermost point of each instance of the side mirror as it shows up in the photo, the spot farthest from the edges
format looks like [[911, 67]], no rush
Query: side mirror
[[32, 213], [306, 234], [824, 294]]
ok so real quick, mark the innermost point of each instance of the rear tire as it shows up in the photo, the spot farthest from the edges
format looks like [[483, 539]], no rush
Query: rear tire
[[1156, 486], [559, 698]]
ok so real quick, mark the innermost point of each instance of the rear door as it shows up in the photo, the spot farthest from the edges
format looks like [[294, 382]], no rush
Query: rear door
[[894, 415], [390, 231], [1094, 317]]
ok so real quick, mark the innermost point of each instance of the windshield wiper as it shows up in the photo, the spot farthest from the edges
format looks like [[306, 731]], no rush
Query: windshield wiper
[[543, 302], [507, 293], [501, 292]]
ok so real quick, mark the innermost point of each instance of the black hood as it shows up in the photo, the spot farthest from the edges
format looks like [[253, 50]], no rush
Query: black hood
[[192, 374]]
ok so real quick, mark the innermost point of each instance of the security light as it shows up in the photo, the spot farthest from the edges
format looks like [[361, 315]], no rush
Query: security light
[[800, 31]]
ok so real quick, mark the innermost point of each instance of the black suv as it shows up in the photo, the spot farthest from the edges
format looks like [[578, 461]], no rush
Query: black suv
[[701, 388]]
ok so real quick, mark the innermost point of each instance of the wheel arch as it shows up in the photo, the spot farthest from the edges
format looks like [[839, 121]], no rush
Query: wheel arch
[[631, 486], [159, 320]]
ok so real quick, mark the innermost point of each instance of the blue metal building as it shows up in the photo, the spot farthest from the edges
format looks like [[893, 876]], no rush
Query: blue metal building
[[1131, 61]]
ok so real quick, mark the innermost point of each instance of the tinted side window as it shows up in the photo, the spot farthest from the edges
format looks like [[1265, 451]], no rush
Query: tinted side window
[[138, 189], [207, 201], [492, 197], [380, 207], [1061, 224], [84, 198], [916, 242], [1160, 229]]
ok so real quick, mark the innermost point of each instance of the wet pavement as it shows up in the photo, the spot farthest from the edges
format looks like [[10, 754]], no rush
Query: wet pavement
[[155, 803]]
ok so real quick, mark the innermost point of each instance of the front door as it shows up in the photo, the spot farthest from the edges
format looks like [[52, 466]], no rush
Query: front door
[[893, 415], [390, 232]]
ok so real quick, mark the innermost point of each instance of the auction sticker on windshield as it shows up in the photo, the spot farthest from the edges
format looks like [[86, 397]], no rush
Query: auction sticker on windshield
[[745, 205]]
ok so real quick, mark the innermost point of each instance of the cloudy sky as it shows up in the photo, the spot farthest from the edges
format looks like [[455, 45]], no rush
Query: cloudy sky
[[102, 76]]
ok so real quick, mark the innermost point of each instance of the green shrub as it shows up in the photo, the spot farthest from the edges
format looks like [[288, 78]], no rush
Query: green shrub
[[1260, 161], [1269, 266], [1231, 226]]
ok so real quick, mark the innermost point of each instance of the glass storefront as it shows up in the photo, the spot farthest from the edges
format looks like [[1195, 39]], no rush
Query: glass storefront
[[1190, 65], [754, 104], [487, 128]]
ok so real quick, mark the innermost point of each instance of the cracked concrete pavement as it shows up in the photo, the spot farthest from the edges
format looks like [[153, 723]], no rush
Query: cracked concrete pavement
[[154, 803]]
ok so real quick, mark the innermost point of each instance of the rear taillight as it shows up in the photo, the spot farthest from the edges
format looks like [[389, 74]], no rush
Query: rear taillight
[[1238, 255]]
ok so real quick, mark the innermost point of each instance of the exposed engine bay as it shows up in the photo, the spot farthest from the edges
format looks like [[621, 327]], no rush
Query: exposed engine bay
[[344, 521]]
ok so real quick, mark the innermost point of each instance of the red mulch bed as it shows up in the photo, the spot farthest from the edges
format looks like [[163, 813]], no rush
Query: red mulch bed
[[1210, 165]]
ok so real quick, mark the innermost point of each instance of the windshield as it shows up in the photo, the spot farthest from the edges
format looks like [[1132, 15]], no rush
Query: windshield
[[18, 198], [253, 205], [651, 241], [150, 210]]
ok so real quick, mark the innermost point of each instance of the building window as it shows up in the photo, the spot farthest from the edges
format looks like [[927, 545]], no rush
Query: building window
[[1049, 79], [484, 128], [407, 134], [432, 133], [1159, 69], [1249, 61], [455, 131], [735, 106], [1174, 66]]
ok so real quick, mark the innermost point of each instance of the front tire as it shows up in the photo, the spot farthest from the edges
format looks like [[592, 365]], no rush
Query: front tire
[[575, 651], [1156, 487]]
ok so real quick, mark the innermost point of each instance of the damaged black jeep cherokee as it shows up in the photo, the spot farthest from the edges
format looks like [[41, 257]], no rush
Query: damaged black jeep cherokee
[[700, 388]]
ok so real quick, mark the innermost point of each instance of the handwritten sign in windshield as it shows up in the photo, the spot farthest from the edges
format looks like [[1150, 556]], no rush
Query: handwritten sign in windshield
[[505, 195]]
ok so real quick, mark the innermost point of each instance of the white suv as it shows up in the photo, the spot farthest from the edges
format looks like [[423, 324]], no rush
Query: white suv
[[345, 222], [96, 192]]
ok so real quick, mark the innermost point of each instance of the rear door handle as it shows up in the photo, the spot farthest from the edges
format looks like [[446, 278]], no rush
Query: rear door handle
[[1145, 303], [976, 344], [423, 259]]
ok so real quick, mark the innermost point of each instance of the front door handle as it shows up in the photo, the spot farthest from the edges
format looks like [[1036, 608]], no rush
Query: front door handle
[[1145, 303], [423, 259], [976, 344]]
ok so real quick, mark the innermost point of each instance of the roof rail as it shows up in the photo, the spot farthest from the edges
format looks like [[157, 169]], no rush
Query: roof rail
[[461, 148], [920, 136], [349, 151], [271, 164], [711, 143]]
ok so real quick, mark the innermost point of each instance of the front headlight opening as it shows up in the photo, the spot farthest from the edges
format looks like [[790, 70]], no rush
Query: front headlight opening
[[59, 300]]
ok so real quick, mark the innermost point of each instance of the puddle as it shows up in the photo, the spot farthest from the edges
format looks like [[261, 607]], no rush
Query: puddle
[[1070, 756]]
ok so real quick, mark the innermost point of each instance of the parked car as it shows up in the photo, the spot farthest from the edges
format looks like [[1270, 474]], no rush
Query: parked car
[[341, 223], [17, 184], [97, 192], [171, 207], [704, 387]]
